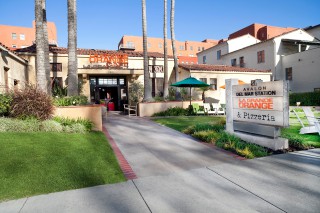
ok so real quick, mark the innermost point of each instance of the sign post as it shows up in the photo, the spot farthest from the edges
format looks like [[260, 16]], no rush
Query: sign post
[[257, 111]]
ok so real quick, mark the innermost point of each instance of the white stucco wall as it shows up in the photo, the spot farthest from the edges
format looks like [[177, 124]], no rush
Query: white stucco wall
[[305, 70], [273, 50], [16, 69], [226, 47]]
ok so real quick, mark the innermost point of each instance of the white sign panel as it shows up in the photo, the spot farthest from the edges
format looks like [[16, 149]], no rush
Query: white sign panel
[[261, 103]]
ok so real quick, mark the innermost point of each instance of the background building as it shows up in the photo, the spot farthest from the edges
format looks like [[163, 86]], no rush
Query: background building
[[16, 37], [186, 50]]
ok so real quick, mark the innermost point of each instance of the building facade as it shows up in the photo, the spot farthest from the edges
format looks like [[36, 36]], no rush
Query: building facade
[[271, 55], [261, 31], [13, 70], [102, 73], [186, 50], [16, 37]]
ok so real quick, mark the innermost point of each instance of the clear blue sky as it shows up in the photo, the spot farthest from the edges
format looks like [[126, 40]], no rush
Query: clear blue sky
[[102, 23]]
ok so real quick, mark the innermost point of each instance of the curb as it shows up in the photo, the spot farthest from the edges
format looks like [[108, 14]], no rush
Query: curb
[[124, 165]]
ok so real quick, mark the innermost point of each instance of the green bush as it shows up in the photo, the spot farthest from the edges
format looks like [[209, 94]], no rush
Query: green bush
[[51, 126], [5, 103], [34, 125], [305, 99], [69, 122], [207, 136], [295, 141], [31, 102], [172, 111], [17, 125], [203, 127], [235, 144], [70, 100]]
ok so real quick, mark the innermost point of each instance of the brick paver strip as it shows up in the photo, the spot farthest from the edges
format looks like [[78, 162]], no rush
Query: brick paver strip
[[124, 165]]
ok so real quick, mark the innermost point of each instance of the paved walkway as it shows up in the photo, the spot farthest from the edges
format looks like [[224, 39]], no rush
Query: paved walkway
[[178, 174]]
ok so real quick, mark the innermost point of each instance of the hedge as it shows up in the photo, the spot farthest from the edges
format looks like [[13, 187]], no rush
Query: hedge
[[305, 99]]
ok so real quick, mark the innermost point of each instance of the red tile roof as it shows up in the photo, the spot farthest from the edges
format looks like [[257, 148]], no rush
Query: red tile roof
[[13, 52], [206, 67], [64, 50]]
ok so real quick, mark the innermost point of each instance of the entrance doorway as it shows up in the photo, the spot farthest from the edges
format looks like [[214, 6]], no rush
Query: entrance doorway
[[112, 89]]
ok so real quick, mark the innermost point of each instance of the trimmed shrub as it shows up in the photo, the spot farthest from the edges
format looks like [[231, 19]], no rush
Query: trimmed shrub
[[70, 100], [5, 103], [203, 127], [206, 136], [17, 125], [305, 99], [172, 111], [295, 141], [51, 126], [31, 102], [68, 122], [236, 145]]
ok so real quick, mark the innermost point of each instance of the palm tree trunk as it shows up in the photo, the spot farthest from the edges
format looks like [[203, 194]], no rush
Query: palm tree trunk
[[173, 40], [165, 50], [147, 85], [46, 47], [40, 45], [72, 49]]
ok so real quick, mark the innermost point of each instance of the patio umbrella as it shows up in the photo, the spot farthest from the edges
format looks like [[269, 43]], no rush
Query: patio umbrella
[[190, 82], [239, 82]]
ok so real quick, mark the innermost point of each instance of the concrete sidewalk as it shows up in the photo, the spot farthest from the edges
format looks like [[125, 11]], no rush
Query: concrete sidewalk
[[192, 178]]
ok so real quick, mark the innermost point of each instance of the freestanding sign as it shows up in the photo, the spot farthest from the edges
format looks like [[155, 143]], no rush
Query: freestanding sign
[[262, 103], [256, 111]]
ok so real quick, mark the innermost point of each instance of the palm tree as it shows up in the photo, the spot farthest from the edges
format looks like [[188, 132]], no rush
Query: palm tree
[[147, 86], [42, 81], [173, 40], [72, 49], [46, 47], [165, 82]]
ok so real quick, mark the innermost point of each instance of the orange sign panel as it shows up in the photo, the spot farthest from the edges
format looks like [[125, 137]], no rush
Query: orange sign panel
[[111, 60]]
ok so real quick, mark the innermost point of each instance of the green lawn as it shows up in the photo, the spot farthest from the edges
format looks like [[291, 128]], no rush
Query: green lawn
[[39, 163], [182, 122]]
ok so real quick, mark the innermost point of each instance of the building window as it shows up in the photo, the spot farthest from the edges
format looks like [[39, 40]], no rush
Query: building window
[[218, 54], [213, 83], [22, 37], [234, 62], [130, 44], [289, 73], [203, 80], [191, 47], [56, 67], [160, 45], [14, 36], [260, 55], [181, 47], [199, 49], [107, 81], [14, 46], [204, 59], [241, 59]]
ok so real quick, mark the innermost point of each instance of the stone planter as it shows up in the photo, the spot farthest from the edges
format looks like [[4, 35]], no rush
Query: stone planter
[[148, 109], [91, 112]]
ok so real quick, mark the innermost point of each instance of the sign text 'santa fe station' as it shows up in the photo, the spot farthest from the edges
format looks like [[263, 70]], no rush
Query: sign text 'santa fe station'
[[260, 102]]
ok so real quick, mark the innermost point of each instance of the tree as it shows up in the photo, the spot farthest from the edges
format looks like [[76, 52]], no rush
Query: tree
[[173, 40], [147, 85], [72, 49], [165, 50], [42, 47]]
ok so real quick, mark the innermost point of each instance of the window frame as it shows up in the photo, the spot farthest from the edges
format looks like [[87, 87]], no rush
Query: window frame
[[56, 67], [218, 54], [289, 74], [260, 57], [214, 84]]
